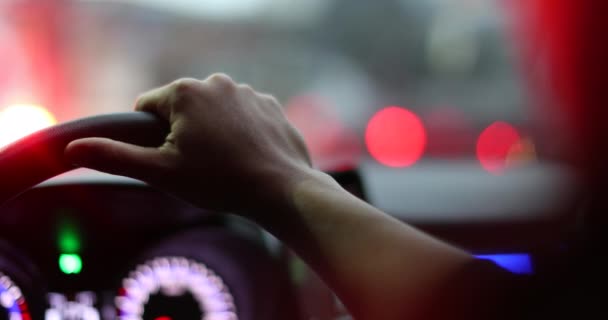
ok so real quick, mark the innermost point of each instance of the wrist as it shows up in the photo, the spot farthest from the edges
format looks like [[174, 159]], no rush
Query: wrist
[[274, 195]]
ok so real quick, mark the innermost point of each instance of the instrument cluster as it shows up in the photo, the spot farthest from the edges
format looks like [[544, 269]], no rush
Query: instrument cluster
[[105, 251]]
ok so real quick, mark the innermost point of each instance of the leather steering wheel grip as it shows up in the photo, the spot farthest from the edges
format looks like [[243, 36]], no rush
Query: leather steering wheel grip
[[40, 156]]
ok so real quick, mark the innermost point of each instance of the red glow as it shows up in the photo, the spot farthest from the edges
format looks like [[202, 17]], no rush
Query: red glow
[[495, 144], [332, 145], [163, 318], [449, 132], [395, 137]]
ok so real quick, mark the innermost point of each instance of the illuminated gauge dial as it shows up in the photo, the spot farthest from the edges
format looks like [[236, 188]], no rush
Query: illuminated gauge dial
[[174, 288], [12, 302]]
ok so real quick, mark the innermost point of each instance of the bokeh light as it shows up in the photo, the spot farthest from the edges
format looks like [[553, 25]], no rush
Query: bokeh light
[[495, 145], [17, 121], [395, 137], [70, 263]]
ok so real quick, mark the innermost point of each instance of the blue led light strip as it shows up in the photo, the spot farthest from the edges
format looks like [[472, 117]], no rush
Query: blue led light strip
[[520, 263]]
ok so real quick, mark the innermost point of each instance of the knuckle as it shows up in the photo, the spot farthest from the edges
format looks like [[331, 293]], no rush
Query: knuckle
[[186, 86], [222, 80], [246, 88], [270, 99]]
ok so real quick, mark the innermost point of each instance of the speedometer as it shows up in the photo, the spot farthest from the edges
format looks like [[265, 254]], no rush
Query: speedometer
[[174, 288]]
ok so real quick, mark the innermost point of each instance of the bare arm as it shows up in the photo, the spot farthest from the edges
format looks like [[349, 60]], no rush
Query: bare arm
[[379, 267], [231, 149]]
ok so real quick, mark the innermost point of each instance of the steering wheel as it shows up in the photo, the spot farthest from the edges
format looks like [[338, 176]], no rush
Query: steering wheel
[[39, 156]]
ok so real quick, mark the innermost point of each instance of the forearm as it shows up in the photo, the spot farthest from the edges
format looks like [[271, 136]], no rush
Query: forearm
[[375, 263]]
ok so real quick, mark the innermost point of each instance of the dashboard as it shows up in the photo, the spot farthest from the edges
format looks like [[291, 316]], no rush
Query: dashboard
[[98, 249], [87, 245]]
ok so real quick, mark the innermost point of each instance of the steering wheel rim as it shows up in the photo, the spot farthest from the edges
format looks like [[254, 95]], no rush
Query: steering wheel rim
[[40, 156]]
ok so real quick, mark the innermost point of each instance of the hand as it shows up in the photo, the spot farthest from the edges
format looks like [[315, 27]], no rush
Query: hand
[[229, 148]]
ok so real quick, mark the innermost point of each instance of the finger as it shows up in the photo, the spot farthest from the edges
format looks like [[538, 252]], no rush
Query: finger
[[117, 157], [155, 101], [165, 99]]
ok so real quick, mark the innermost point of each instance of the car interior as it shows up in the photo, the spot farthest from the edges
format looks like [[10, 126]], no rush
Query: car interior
[[421, 108]]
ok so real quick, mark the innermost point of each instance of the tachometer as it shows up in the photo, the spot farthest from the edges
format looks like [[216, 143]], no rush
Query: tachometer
[[173, 288], [21, 286], [12, 302]]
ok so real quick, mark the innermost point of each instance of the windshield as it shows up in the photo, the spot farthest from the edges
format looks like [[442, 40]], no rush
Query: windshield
[[401, 85]]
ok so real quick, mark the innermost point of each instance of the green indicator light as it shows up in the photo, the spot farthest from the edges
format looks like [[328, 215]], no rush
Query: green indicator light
[[68, 240], [70, 263]]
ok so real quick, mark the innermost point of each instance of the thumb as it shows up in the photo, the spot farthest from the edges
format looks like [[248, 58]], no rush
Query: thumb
[[116, 157]]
